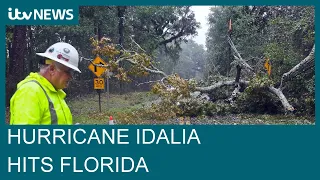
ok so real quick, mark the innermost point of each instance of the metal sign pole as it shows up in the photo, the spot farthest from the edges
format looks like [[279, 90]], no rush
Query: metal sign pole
[[98, 66], [99, 91]]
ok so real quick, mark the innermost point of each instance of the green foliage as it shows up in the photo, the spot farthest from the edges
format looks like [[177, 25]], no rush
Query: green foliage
[[301, 95], [256, 98], [220, 109], [134, 108], [161, 25], [259, 82], [282, 58], [258, 102], [106, 49], [160, 30], [171, 93], [285, 34], [178, 88], [219, 53], [141, 23]]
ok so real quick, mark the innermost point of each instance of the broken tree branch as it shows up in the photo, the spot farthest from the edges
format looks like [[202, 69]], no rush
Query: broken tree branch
[[219, 85], [154, 71], [238, 57], [287, 106], [151, 69], [137, 45], [307, 62]]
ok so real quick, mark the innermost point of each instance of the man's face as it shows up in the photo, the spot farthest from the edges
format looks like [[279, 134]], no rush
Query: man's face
[[62, 76]]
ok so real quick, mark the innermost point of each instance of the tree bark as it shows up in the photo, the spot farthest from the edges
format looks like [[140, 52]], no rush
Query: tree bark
[[219, 85], [287, 106], [16, 60]]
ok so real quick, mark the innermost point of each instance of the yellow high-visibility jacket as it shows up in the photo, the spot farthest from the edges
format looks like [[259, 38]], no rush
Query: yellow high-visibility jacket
[[30, 103]]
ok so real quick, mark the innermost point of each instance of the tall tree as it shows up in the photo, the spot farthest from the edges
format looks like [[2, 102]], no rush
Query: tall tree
[[17, 56], [121, 13], [168, 26]]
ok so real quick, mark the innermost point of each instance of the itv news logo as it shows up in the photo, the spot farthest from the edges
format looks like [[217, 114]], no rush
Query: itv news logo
[[40, 14]]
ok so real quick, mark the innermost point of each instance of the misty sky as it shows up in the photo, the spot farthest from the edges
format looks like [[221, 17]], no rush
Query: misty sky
[[201, 13]]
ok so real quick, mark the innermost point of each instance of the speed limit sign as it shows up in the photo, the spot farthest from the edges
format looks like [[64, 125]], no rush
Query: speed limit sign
[[98, 83]]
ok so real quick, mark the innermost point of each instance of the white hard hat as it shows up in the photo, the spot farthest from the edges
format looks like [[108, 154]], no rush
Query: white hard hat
[[63, 53]]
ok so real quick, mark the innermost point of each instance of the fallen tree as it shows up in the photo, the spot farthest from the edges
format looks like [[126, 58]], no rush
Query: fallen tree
[[174, 89], [308, 62]]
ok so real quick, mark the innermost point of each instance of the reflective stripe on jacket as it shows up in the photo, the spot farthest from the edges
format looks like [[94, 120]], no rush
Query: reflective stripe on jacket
[[29, 104]]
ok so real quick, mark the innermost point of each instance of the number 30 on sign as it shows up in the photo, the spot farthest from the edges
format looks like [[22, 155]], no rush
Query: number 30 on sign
[[98, 83]]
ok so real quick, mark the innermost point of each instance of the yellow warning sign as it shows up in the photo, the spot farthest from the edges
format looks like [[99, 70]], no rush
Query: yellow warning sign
[[97, 70], [98, 83], [267, 65]]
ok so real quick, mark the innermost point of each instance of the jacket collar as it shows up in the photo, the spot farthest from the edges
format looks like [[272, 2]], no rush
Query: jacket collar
[[49, 86]]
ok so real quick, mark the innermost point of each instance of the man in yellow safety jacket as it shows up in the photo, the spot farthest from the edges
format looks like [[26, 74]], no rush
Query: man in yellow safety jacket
[[39, 99]]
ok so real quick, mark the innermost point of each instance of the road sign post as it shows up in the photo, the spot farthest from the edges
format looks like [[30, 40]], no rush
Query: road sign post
[[99, 93], [98, 67]]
